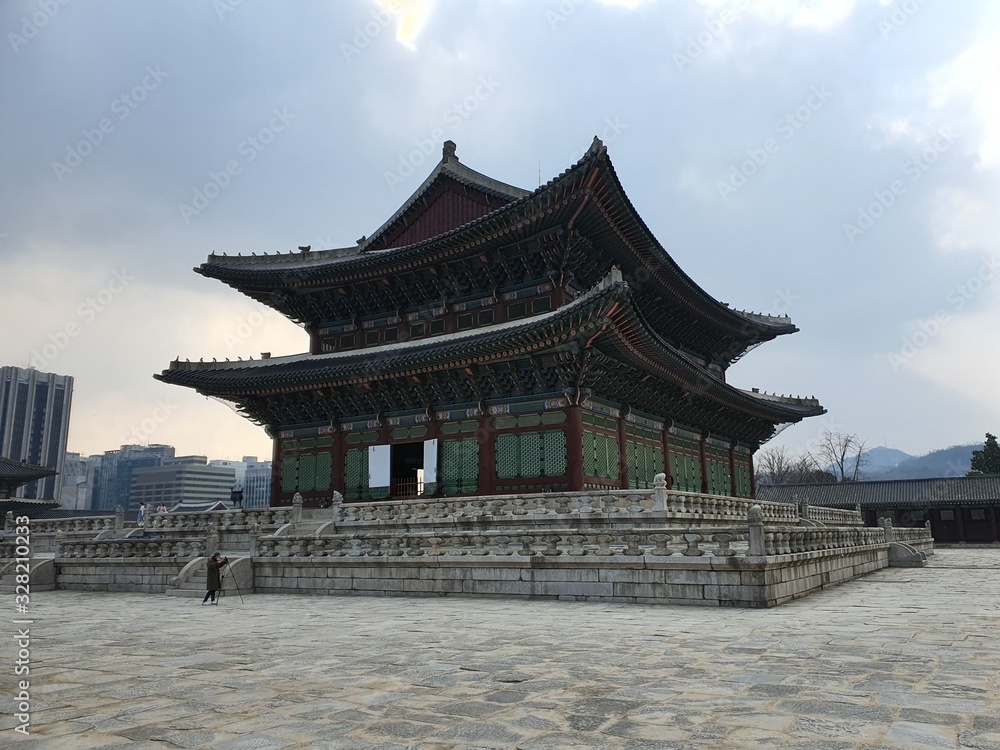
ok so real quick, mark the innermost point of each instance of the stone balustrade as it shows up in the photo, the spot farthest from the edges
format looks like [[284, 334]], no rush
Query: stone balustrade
[[787, 541], [71, 525], [835, 516], [113, 548], [642, 505], [223, 519], [909, 535], [655, 542]]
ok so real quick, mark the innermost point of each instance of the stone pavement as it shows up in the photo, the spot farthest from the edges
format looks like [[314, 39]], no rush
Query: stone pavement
[[903, 658]]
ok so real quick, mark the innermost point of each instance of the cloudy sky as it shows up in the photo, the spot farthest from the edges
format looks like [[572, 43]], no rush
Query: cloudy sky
[[833, 160]]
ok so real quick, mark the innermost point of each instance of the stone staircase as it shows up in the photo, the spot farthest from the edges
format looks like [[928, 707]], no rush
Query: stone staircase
[[190, 582], [42, 575]]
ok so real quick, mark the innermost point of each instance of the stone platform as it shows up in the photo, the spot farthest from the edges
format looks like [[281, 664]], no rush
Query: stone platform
[[900, 658]]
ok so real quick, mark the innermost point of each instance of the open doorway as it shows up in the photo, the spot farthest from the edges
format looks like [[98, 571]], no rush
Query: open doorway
[[404, 469], [406, 466]]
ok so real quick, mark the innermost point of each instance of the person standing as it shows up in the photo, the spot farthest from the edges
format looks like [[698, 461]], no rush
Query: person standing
[[141, 519], [214, 578]]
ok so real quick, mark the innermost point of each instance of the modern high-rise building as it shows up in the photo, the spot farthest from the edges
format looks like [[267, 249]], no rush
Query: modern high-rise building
[[257, 483], [113, 484], [186, 481], [34, 424], [253, 479]]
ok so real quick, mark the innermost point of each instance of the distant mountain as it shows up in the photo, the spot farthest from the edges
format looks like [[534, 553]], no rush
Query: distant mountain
[[881, 459], [947, 462], [874, 461]]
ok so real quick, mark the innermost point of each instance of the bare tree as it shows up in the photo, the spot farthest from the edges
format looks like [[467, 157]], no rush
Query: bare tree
[[774, 465], [842, 454]]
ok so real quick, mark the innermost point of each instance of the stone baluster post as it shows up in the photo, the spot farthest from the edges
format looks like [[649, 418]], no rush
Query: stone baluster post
[[755, 516], [804, 509], [660, 493], [296, 508], [886, 524], [212, 539], [119, 518], [254, 531], [336, 501], [8, 521]]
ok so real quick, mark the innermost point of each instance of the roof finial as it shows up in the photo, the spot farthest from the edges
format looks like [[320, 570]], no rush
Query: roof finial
[[448, 151]]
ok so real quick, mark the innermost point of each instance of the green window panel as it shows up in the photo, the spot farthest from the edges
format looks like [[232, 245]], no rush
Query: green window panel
[[600, 455], [508, 461], [554, 444], [324, 471], [589, 455], [531, 454], [289, 473], [644, 463], [307, 473], [687, 471], [356, 474], [459, 469], [530, 449]]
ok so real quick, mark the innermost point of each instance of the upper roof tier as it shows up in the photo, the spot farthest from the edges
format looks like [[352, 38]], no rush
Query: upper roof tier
[[583, 219]]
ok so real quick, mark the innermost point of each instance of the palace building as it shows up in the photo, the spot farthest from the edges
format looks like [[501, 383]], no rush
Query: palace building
[[492, 340]]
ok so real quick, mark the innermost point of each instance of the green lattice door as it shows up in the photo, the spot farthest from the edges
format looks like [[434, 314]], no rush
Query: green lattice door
[[459, 470]]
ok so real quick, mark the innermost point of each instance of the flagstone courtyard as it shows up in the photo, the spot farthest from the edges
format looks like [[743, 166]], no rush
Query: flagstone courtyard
[[902, 658]]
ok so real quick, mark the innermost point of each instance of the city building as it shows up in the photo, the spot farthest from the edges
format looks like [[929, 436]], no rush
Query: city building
[[252, 480], [182, 483], [493, 340], [113, 480], [257, 484], [77, 481], [34, 424]]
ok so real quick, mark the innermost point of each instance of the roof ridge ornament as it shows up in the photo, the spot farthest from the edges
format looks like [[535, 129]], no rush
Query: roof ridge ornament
[[614, 276], [448, 151]]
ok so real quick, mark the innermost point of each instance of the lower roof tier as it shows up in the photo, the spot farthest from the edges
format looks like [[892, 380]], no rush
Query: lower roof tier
[[597, 344]]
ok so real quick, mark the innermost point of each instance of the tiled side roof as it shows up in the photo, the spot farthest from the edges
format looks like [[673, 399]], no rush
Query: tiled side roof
[[889, 493], [23, 472]]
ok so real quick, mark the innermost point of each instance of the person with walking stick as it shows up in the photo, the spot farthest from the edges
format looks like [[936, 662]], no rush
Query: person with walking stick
[[214, 584]]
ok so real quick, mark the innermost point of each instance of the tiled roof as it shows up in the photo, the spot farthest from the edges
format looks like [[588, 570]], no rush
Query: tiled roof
[[548, 203], [889, 493], [634, 342], [23, 472]]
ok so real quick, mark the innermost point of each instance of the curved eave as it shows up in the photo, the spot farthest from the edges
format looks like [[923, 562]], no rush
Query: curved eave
[[652, 354], [591, 177], [637, 236], [323, 370], [605, 318]]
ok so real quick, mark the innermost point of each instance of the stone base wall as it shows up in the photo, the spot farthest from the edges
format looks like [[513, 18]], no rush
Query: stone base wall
[[150, 575], [708, 581]]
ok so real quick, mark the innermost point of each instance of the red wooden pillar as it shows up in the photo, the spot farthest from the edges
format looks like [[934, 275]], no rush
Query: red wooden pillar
[[485, 437], [339, 479], [991, 509], [732, 470], [622, 458], [667, 469], [753, 481], [574, 448], [275, 470], [961, 522], [704, 465]]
